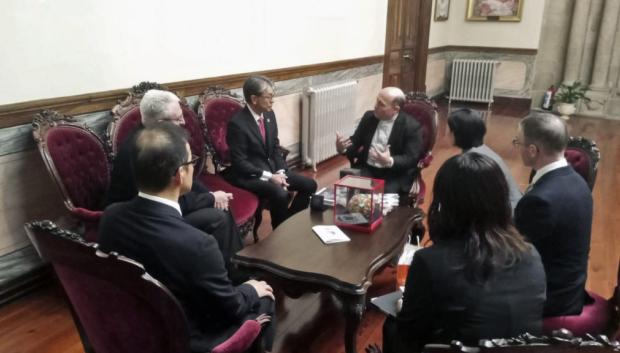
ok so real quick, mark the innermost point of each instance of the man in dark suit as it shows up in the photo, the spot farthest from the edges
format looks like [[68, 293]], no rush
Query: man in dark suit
[[386, 144], [151, 230], [257, 163], [555, 213], [207, 211]]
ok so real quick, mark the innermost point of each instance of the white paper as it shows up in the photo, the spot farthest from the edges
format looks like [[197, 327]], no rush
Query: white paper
[[330, 234]]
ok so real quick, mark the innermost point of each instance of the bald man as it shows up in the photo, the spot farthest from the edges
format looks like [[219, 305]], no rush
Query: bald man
[[386, 144]]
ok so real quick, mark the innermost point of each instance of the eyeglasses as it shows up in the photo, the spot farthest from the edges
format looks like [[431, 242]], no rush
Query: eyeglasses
[[267, 97], [193, 161], [179, 120]]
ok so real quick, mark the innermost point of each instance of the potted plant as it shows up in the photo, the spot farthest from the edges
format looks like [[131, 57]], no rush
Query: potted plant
[[568, 96]]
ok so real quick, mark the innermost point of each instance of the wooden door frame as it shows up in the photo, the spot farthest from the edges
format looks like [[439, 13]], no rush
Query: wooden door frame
[[422, 28]]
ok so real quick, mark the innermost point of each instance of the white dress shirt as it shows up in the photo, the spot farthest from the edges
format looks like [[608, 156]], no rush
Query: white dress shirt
[[154, 198], [380, 141], [549, 167]]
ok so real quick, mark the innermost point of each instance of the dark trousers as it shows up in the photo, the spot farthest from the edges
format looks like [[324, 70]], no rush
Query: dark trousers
[[391, 186], [221, 225], [268, 332], [203, 340], [394, 342], [278, 197]]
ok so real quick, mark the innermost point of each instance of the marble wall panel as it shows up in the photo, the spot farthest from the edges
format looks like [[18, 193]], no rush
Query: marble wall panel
[[435, 75], [26, 193], [510, 75], [514, 73]]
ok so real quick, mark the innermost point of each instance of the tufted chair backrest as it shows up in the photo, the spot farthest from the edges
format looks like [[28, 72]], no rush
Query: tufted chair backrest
[[217, 107], [121, 127], [583, 155], [75, 157], [196, 136], [425, 112]]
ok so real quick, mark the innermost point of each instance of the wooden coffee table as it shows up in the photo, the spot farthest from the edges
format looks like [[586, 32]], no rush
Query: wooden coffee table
[[296, 260]]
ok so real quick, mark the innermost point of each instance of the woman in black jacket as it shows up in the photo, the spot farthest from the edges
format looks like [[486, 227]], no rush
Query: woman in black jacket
[[480, 278]]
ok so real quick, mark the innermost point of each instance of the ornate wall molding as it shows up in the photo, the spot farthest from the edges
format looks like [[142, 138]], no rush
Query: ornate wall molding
[[498, 50], [21, 113]]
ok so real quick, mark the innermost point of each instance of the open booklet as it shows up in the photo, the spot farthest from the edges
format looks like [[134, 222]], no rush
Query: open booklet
[[330, 234]]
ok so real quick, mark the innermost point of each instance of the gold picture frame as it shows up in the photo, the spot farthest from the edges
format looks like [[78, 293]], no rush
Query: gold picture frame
[[442, 10], [494, 10]]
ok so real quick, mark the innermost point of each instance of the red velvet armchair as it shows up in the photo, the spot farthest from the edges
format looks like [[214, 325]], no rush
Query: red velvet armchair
[[598, 317], [77, 161], [424, 110], [216, 107], [583, 155], [116, 305], [127, 118]]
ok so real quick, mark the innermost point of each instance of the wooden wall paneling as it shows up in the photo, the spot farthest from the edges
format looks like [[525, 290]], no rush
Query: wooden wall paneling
[[406, 44]]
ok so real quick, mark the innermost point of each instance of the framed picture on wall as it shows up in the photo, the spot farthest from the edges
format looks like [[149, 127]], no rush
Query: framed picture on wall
[[494, 10], [442, 10]]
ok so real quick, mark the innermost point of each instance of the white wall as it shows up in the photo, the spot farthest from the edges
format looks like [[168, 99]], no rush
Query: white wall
[[68, 47], [456, 31]]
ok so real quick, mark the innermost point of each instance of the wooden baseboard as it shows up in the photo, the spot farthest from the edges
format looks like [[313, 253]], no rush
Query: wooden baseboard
[[518, 103], [497, 50], [26, 283]]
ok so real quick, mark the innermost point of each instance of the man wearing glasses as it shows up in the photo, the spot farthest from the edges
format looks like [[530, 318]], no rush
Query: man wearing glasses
[[151, 230], [555, 213], [257, 163], [205, 210]]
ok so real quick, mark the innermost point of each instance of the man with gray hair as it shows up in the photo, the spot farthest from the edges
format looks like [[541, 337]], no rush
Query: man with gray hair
[[157, 105], [555, 213], [386, 144], [257, 163], [205, 210]]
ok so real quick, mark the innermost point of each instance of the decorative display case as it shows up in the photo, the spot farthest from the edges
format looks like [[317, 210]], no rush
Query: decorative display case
[[358, 203]]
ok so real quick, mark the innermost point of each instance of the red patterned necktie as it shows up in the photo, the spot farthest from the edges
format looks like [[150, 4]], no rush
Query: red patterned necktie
[[261, 127]]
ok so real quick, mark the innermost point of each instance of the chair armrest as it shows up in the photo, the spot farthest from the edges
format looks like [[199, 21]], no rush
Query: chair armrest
[[241, 340], [87, 215], [284, 152], [425, 161], [417, 191]]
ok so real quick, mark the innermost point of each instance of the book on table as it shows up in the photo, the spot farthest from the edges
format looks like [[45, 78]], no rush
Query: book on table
[[330, 234]]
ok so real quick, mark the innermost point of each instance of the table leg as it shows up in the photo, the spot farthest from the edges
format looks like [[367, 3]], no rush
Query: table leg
[[354, 307]]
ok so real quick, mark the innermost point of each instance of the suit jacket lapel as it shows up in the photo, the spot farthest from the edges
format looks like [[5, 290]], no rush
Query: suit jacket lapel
[[267, 120], [399, 124], [254, 126], [371, 132]]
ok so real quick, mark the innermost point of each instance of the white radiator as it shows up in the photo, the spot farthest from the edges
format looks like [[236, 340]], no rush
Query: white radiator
[[325, 110], [472, 80]]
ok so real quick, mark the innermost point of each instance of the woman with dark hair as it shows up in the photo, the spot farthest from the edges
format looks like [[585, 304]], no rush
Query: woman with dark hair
[[480, 278], [468, 130]]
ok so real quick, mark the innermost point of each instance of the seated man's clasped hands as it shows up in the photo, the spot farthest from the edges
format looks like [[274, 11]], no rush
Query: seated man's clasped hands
[[386, 144], [151, 230]]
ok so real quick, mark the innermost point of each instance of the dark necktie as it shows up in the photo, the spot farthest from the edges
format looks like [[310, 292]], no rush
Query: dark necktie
[[261, 127]]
